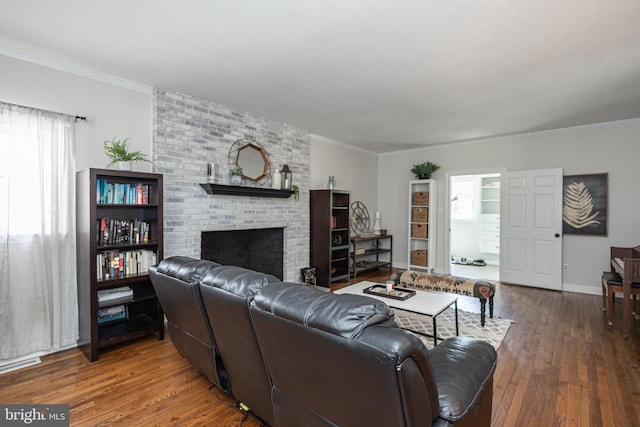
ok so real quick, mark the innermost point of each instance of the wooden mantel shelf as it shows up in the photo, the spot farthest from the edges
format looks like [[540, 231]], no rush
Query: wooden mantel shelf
[[238, 190]]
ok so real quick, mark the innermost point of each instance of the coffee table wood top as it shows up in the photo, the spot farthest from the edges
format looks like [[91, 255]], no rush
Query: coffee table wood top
[[423, 302]]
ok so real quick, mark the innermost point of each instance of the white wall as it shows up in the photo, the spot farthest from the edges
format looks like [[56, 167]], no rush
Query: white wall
[[112, 111], [355, 170], [611, 148]]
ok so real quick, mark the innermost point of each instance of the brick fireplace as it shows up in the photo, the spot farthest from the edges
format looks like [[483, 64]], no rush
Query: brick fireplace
[[188, 133]]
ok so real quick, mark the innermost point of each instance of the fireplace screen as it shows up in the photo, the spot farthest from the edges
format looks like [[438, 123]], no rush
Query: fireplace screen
[[255, 249]]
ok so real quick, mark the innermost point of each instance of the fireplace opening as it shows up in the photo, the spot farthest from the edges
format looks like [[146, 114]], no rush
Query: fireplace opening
[[256, 249]]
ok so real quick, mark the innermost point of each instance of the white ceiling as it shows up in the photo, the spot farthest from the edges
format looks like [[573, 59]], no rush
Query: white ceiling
[[379, 74]]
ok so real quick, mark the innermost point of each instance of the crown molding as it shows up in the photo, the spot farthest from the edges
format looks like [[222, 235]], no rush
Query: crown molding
[[326, 140], [56, 63], [558, 131]]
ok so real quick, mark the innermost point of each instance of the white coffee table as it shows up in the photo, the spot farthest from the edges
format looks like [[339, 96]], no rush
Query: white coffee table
[[423, 302]]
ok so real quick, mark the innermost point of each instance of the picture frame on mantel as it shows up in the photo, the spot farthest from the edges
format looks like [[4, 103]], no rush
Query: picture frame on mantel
[[585, 200]]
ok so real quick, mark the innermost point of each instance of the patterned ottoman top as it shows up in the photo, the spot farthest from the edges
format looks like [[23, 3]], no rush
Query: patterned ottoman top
[[443, 283]]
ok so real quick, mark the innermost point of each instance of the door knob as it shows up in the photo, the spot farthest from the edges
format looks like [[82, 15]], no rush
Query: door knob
[[557, 235]]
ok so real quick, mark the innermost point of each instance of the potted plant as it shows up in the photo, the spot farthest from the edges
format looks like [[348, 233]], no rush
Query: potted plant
[[235, 175], [424, 170], [117, 152]]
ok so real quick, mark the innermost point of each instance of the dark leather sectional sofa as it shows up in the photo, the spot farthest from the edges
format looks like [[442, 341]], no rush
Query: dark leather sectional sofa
[[299, 356]]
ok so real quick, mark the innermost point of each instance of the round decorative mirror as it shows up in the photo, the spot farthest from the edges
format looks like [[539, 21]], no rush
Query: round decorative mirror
[[253, 161], [252, 158]]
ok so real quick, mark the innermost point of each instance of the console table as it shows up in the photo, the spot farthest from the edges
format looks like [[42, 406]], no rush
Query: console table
[[365, 253]]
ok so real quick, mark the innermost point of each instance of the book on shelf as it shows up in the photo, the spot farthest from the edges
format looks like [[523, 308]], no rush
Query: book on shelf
[[107, 297], [114, 291], [112, 231], [109, 314], [117, 193], [114, 264]]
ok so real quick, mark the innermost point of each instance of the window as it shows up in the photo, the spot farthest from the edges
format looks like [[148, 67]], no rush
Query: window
[[37, 231], [463, 198], [24, 171]]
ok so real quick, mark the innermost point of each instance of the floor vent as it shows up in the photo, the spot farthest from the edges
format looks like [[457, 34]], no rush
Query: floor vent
[[13, 366]]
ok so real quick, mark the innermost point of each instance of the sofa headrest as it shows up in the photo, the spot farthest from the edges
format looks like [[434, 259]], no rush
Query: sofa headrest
[[343, 315], [237, 280], [188, 269]]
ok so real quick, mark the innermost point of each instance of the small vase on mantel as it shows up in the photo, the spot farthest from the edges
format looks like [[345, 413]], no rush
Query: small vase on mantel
[[235, 176], [275, 180]]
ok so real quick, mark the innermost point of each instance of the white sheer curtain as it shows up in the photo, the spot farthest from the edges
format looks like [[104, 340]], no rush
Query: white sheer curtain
[[38, 299]]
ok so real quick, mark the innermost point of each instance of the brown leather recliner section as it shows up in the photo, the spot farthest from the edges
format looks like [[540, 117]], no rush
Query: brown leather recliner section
[[340, 360], [226, 294], [207, 309], [176, 282]]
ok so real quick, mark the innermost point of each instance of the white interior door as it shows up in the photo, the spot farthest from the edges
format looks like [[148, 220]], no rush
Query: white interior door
[[531, 228]]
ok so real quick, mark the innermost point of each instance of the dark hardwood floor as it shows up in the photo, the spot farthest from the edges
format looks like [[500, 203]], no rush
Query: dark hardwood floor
[[559, 365]]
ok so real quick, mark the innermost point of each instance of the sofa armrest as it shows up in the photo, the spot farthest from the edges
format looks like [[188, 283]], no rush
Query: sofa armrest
[[463, 367]]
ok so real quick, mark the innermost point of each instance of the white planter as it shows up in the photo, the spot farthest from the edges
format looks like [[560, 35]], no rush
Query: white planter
[[124, 166]]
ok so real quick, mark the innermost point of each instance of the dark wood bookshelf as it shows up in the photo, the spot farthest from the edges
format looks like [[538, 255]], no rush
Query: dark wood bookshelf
[[144, 314], [330, 221]]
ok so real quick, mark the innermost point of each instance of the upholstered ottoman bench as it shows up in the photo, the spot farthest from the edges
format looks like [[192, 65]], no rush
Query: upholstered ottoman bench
[[480, 289]]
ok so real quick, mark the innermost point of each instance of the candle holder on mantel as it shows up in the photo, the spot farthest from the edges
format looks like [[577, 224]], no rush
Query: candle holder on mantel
[[276, 181], [285, 178], [212, 173]]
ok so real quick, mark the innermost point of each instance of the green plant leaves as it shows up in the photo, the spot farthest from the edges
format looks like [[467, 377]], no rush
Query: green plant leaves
[[117, 151]]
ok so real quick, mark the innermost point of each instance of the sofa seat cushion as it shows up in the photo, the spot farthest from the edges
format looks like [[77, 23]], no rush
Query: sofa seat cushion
[[343, 315], [463, 367]]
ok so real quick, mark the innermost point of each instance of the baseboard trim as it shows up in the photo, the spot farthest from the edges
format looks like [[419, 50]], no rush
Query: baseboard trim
[[581, 289]]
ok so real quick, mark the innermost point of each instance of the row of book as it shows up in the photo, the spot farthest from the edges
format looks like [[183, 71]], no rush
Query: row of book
[[120, 295], [113, 231], [110, 314], [116, 264], [121, 193]]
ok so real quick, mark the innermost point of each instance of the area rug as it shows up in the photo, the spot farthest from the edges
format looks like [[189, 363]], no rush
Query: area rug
[[493, 331]]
